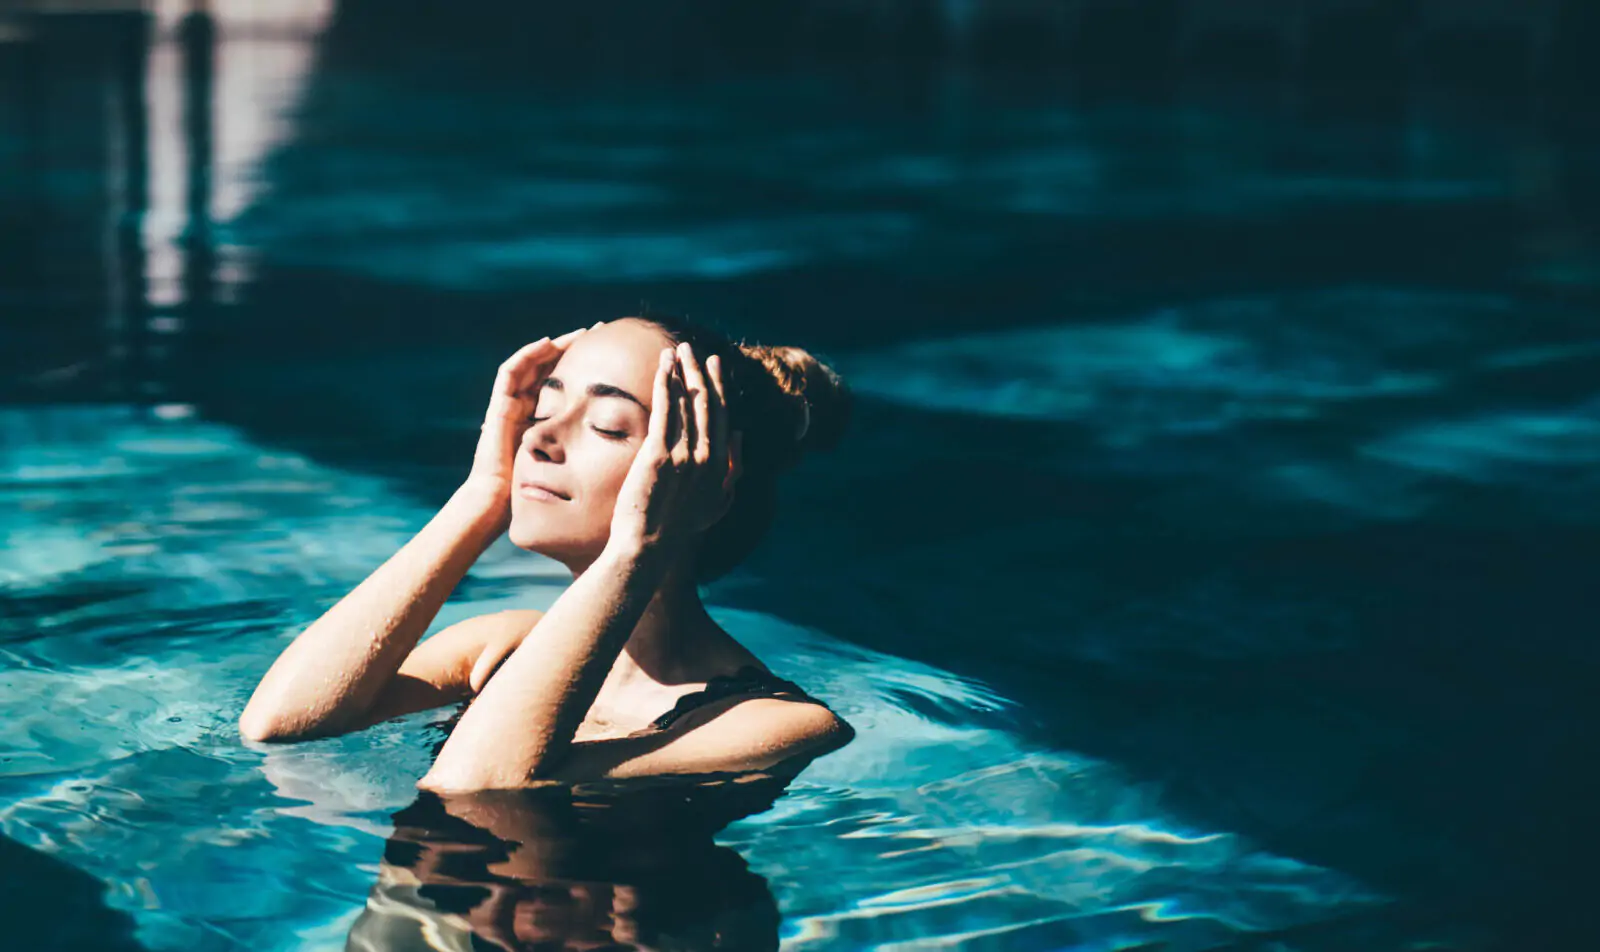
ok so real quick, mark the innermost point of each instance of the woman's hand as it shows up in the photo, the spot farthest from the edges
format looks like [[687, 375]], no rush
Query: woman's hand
[[678, 485], [516, 393]]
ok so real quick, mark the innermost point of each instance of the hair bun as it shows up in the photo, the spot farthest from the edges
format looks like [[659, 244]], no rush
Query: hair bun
[[818, 398]]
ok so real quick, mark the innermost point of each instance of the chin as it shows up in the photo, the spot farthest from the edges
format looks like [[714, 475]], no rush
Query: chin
[[530, 538], [562, 548]]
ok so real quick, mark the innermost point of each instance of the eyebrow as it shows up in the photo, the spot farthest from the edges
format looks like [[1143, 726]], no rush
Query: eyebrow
[[598, 390]]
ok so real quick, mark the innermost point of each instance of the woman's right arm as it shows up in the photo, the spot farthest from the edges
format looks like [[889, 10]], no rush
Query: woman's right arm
[[332, 673], [329, 678]]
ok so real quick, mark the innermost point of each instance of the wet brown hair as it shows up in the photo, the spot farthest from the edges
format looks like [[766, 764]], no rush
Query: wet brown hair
[[785, 402]]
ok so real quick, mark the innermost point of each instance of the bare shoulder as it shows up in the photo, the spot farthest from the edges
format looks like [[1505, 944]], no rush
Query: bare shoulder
[[732, 734], [471, 635], [791, 725], [809, 716], [448, 657], [795, 720], [440, 669]]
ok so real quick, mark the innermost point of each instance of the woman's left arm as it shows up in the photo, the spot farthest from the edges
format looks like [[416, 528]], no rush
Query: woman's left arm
[[526, 716]]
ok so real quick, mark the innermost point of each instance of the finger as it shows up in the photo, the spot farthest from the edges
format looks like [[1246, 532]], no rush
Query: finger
[[539, 358], [522, 369], [718, 408], [699, 397], [568, 337], [660, 399], [684, 439], [507, 399], [510, 368]]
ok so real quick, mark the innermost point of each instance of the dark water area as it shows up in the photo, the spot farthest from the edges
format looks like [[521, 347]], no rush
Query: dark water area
[[1234, 414]]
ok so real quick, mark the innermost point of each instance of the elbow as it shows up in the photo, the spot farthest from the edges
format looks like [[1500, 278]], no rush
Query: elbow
[[272, 728], [433, 782], [261, 728], [463, 765], [457, 782], [266, 722], [446, 779], [448, 783], [256, 731]]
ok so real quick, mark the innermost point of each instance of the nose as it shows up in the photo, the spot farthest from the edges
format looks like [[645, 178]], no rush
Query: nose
[[546, 439]]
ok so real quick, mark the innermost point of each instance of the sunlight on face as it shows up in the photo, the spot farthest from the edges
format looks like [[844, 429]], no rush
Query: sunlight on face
[[590, 420]]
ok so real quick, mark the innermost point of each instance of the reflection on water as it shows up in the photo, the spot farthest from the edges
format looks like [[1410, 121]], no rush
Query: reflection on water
[[635, 865], [317, 139]]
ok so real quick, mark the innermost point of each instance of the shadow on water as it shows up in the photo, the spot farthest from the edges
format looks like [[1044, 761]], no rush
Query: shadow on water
[[1358, 635], [47, 904], [1391, 702]]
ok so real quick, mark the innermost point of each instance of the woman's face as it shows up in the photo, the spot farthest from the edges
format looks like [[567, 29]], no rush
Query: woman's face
[[589, 421]]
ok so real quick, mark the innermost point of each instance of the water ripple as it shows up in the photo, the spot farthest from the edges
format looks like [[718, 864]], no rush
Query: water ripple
[[136, 641]]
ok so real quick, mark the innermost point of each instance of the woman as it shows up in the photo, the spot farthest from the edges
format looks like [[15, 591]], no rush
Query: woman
[[617, 452]]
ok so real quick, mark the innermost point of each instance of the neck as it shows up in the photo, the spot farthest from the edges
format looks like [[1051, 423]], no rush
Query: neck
[[670, 635]]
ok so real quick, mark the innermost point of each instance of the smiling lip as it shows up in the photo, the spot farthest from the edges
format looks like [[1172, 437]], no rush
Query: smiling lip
[[532, 490]]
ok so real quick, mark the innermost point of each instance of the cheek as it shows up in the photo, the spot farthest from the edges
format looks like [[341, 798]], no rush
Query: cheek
[[610, 481], [604, 480]]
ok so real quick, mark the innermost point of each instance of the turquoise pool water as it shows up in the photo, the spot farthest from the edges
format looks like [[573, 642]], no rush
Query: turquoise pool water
[[154, 568]]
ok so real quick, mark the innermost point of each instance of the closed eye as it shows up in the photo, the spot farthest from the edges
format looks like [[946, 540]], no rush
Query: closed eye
[[612, 434]]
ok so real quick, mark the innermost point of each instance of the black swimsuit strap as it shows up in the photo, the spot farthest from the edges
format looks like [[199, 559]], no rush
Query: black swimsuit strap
[[748, 680]]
